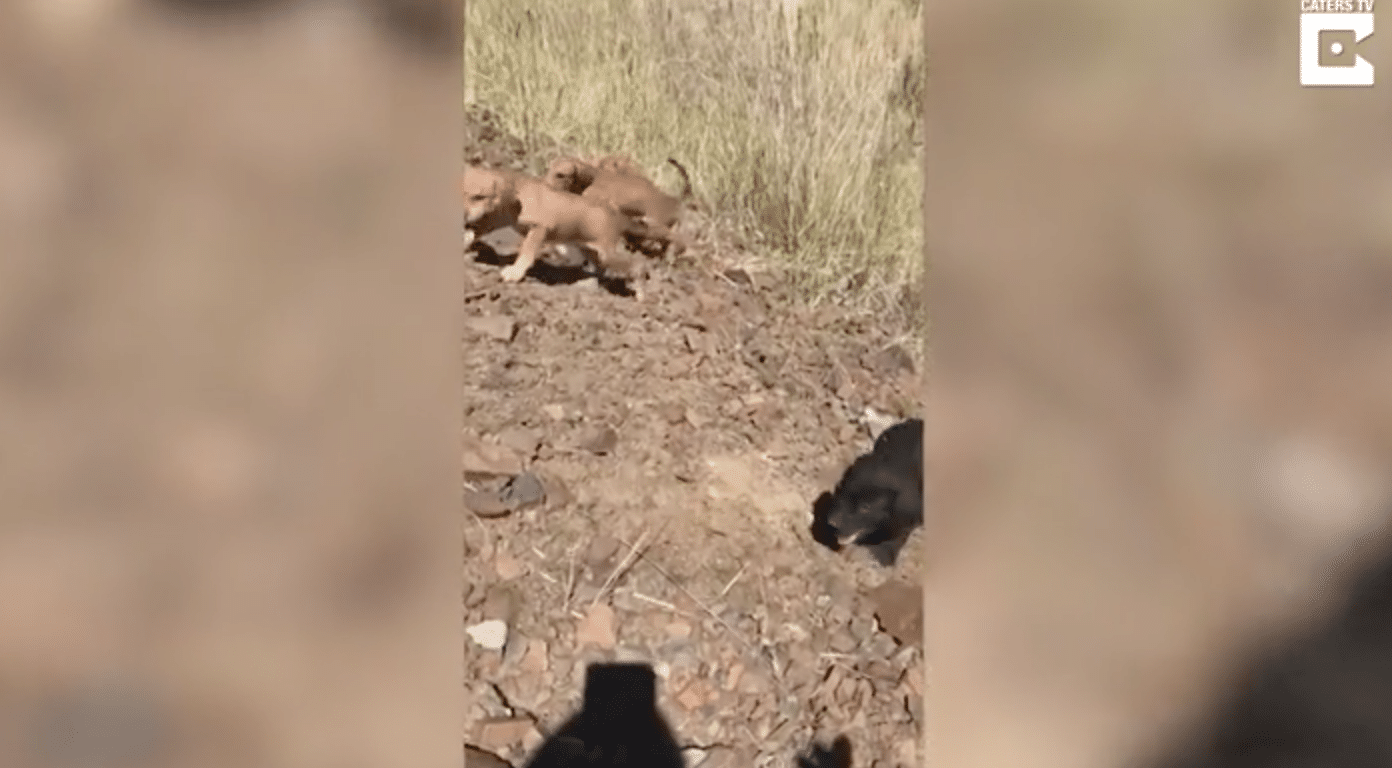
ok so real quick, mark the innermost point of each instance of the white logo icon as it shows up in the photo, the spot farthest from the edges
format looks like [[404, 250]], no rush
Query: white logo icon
[[1329, 45]]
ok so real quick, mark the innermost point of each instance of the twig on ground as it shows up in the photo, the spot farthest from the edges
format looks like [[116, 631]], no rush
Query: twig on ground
[[734, 579], [733, 632], [570, 577], [655, 601], [622, 567]]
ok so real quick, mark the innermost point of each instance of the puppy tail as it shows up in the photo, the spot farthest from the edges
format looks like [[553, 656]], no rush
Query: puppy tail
[[686, 179]]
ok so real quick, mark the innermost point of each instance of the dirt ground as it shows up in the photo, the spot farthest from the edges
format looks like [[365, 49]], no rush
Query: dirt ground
[[680, 442]]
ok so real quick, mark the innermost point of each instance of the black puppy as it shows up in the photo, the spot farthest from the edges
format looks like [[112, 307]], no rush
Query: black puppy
[[838, 755], [879, 500]]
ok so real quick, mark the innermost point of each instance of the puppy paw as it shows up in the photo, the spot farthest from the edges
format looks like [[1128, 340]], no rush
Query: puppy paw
[[512, 274]]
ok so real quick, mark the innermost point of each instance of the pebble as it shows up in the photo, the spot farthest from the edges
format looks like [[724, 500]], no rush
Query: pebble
[[535, 660], [498, 734], [597, 628], [491, 634], [842, 642], [506, 566], [496, 327]]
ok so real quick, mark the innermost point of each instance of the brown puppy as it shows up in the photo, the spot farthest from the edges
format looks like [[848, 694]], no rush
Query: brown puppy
[[653, 215], [497, 198]]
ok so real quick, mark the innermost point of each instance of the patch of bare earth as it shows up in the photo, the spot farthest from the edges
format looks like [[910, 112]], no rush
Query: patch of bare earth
[[679, 442]]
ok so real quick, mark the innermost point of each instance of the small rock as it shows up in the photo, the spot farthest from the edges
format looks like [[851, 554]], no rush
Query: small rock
[[739, 276], [556, 492], [861, 630], [725, 757], [522, 491], [672, 413], [777, 448], [500, 733], [554, 411], [679, 629], [531, 740], [514, 649], [845, 691], [907, 752], [480, 458], [585, 592], [842, 642], [695, 419], [914, 678], [597, 628], [876, 423], [879, 645], [693, 757], [524, 441], [626, 655], [496, 327], [685, 661], [899, 608], [486, 504], [535, 660], [478, 758], [491, 634], [793, 633], [890, 361], [506, 566], [732, 677], [599, 440], [501, 603], [802, 666], [474, 595], [754, 682], [503, 240], [601, 550], [694, 695]]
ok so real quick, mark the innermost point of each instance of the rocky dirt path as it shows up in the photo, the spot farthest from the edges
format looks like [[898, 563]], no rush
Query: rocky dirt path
[[661, 458]]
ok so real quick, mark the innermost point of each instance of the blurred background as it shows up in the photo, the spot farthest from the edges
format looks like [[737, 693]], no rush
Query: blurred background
[[1159, 418], [228, 291]]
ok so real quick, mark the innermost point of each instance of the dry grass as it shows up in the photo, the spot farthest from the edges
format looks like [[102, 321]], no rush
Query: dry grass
[[802, 136]]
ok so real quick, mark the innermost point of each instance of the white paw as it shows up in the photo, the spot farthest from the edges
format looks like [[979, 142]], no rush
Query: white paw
[[512, 274]]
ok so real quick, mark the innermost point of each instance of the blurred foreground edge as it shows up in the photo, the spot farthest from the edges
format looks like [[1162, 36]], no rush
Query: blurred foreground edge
[[228, 351], [1159, 426]]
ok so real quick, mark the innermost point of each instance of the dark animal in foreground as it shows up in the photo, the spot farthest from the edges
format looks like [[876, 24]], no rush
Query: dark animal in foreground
[[1322, 699], [879, 500], [838, 755], [618, 726]]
